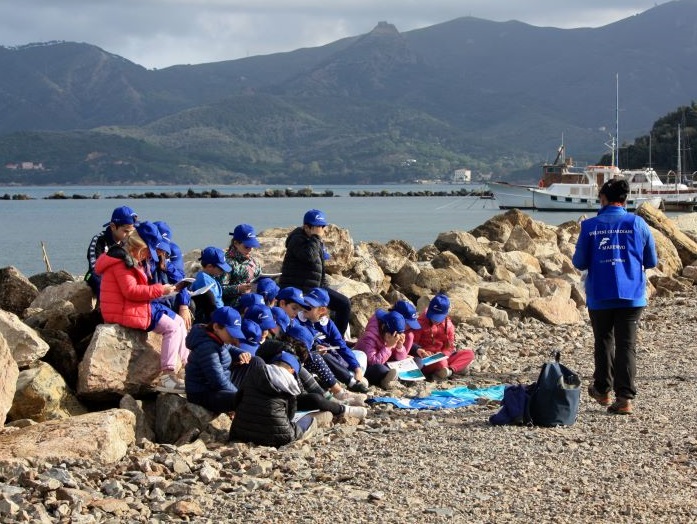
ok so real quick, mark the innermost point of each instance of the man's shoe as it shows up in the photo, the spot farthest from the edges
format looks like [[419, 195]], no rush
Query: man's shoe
[[388, 380], [601, 398], [621, 406], [169, 383]]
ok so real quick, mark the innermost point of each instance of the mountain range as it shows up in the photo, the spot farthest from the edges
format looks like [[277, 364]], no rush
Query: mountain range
[[383, 106]]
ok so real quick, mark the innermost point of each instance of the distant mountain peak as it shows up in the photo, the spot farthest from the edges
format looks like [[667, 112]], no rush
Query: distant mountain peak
[[384, 28]]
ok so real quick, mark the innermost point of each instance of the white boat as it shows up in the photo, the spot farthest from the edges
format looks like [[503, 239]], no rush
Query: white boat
[[673, 195], [578, 191]]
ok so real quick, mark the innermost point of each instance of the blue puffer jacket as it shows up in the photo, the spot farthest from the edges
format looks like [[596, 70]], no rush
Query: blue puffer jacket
[[615, 247], [208, 367]]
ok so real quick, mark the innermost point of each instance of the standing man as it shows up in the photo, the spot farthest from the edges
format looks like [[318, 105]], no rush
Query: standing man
[[615, 247], [303, 265]]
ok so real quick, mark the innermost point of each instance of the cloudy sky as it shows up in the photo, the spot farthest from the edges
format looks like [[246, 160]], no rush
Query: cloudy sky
[[160, 33]]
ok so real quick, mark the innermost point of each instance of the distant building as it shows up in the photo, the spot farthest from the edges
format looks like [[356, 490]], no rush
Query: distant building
[[462, 176]]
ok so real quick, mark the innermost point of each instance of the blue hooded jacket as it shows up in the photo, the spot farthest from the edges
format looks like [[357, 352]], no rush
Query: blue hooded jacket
[[615, 247], [208, 367]]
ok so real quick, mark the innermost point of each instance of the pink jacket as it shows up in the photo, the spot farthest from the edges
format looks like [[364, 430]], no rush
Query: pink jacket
[[373, 345], [436, 338], [125, 295]]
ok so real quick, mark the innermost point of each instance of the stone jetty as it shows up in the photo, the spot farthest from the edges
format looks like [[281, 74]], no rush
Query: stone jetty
[[84, 438]]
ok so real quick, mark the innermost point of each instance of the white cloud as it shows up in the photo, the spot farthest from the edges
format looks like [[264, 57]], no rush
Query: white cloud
[[159, 33]]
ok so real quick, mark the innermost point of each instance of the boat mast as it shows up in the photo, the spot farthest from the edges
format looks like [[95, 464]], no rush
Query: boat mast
[[616, 140], [678, 176]]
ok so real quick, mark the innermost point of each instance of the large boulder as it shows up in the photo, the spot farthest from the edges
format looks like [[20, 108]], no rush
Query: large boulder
[[50, 278], [407, 275], [58, 315], [119, 360], [465, 246], [339, 244], [347, 286], [16, 291], [363, 307], [61, 355], [42, 395], [669, 262], [504, 294], [8, 379], [391, 256], [25, 343], [143, 427], [686, 247], [517, 262], [78, 293], [272, 248], [555, 310], [175, 418], [519, 240], [366, 269], [463, 302], [103, 436]]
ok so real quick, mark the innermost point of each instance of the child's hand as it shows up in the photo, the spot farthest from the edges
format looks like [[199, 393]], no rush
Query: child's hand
[[245, 358], [168, 289], [421, 352]]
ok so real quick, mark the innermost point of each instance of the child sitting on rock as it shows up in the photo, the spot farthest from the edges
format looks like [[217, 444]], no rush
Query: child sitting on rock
[[437, 335], [266, 404]]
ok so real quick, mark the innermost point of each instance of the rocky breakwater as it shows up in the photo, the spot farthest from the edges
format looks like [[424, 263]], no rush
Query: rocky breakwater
[[86, 439]]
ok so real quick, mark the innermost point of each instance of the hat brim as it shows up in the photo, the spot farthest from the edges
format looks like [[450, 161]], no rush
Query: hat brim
[[235, 332], [313, 303], [224, 266], [436, 317], [412, 323], [250, 242], [268, 323]]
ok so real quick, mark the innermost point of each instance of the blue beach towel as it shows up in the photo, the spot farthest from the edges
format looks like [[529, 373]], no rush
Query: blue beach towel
[[457, 397]]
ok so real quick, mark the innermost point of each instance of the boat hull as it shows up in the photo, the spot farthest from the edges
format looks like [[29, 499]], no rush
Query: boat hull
[[512, 196], [548, 201]]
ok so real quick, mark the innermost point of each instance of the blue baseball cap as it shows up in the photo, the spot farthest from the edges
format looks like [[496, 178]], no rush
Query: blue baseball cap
[[151, 236], [245, 234], [248, 300], [262, 315], [214, 255], [122, 216], [289, 359], [292, 294], [317, 297], [164, 229], [315, 217], [252, 336], [394, 322], [408, 311], [301, 334], [230, 319], [438, 308], [267, 288], [281, 317]]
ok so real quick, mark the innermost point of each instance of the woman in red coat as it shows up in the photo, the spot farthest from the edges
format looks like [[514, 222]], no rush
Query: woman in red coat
[[125, 298], [437, 335]]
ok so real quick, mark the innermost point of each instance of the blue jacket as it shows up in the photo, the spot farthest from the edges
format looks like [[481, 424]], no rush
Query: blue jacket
[[202, 280], [615, 247], [208, 367]]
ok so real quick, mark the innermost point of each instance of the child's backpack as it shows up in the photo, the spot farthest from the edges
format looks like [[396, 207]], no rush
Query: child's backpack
[[551, 401]]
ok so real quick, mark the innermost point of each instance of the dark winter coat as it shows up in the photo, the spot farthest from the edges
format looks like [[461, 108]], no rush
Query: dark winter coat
[[263, 414], [303, 263], [208, 367]]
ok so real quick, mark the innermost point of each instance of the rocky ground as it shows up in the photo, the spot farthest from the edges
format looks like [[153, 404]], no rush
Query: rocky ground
[[424, 466]]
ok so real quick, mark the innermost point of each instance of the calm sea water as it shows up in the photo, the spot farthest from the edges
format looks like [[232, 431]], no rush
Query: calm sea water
[[67, 226]]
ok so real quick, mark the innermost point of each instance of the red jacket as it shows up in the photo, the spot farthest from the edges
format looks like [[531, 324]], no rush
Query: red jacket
[[436, 338], [125, 295]]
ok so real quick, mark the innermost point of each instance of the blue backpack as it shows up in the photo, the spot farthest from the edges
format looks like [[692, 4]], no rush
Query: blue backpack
[[551, 401]]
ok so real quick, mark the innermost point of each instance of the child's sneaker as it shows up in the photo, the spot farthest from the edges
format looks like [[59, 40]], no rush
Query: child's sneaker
[[351, 399], [358, 386], [169, 383], [356, 411], [442, 373]]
